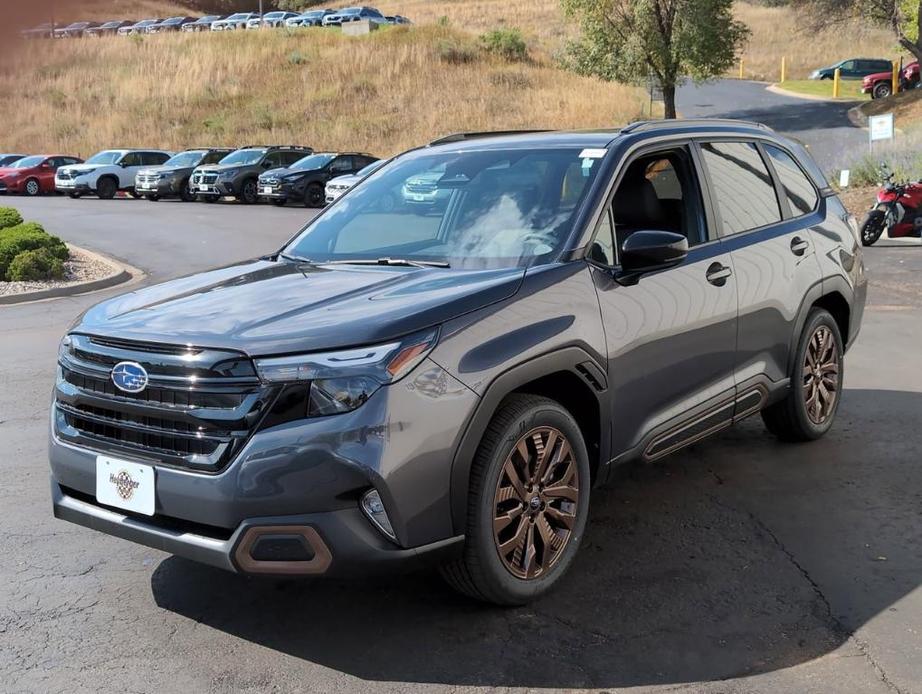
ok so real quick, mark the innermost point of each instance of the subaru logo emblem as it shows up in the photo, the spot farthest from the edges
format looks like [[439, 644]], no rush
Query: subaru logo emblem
[[129, 376]]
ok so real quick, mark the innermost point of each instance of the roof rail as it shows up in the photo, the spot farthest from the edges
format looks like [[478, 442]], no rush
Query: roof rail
[[218, 149], [641, 125], [461, 137], [276, 147]]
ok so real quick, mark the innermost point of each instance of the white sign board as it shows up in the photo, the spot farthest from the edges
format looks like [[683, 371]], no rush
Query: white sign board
[[881, 127], [844, 175]]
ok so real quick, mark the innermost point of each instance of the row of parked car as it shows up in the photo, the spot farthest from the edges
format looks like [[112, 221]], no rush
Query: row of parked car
[[239, 20], [279, 174], [876, 75]]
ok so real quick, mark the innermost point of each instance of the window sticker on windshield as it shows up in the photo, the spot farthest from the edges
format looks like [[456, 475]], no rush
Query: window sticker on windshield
[[593, 153], [586, 167]]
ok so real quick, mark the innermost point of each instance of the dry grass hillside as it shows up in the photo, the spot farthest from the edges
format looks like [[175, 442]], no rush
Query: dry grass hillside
[[381, 93], [102, 10]]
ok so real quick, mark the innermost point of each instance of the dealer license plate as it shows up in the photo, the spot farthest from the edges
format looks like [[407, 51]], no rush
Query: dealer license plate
[[126, 485]]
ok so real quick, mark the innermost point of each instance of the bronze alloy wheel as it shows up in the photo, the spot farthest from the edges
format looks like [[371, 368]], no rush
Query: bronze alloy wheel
[[821, 375], [535, 503]]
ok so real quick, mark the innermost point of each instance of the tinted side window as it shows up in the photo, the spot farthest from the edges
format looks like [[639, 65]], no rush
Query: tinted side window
[[602, 249], [273, 160], [214, 157], [742, 187], [131, 159], [341, 165], [289, 158], [800, 192], [154, 158]]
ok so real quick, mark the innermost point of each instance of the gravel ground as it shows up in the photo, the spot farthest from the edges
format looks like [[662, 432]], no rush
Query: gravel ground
[[82, 267]]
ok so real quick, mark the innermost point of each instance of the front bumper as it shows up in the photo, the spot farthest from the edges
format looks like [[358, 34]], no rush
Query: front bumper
[[303, 473], [219, 188], [342, 542], [163, 187], [275, 192], [72, 186]]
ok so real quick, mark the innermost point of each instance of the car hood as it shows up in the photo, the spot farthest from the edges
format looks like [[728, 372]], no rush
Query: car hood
[[345, 180], [7, 170], [285, 173], [262, 307], [223, 167], [165, 169], [83, 168]]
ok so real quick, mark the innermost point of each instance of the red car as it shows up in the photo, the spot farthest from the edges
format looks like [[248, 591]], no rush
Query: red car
[[880, 84], [35, 174]]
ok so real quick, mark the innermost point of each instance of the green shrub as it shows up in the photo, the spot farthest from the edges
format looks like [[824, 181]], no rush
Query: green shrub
[[27, 237], [506, 43], [9, 217], [38, 264]]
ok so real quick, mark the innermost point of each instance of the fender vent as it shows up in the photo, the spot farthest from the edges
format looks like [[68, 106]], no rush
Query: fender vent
[[592, 375]]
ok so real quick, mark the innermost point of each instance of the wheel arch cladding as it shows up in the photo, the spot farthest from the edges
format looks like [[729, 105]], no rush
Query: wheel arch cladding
[[568, 376], [837, 305]]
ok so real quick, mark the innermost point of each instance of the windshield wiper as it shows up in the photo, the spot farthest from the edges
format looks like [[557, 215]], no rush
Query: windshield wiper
[[294, 258], [390, 261]]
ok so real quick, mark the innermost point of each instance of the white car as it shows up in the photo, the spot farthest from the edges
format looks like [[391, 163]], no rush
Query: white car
[[335, 187], [271, 19], [107, 172], [235, 21]]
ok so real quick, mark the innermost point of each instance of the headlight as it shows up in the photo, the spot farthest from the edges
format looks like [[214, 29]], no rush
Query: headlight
[[230, 173], [65, 348], [343, 380]]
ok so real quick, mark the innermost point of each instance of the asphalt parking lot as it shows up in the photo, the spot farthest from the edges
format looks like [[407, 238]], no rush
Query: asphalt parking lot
[[736, 565]]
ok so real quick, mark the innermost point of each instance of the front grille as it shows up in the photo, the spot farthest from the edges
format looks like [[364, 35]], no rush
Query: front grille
[[198, 409], [148, 179], [420, 187], [65, 175]]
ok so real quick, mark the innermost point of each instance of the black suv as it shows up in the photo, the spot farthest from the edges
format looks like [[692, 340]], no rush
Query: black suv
[[237, 173], [394, 388], [306, 178], [171, 179]]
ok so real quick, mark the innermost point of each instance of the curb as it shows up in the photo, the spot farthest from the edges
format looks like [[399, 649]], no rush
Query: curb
[[123, 273], [775, 89]]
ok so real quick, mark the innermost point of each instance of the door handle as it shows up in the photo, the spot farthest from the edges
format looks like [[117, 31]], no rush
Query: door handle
[[799, 246], [717, 274]]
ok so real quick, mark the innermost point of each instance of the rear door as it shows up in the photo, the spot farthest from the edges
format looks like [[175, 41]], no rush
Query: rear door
[[128, 167], [671, 337], [765, 205]]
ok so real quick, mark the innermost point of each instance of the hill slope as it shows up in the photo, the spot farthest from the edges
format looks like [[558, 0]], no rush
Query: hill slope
[[382, 93]]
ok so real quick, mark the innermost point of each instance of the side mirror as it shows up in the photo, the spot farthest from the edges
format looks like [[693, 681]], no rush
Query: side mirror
[[45, 165], [123, 164], [650, 250], [266, 165]]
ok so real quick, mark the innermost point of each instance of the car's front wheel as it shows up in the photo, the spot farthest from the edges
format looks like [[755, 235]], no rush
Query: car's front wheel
[[106, 188], [527, 505], [810, 407], [881, 90], [248, 193], [314, 195]]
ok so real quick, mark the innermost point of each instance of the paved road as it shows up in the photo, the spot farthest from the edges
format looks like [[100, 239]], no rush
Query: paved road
[[738, 565], [822, 125]]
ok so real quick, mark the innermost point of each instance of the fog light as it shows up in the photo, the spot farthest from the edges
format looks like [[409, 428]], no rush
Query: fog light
[[374, 509]]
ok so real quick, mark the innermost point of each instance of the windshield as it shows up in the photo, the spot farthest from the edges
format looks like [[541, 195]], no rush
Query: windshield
[[273, 15], [244, 157], [106, 157], [185, 159], [28, 162], [492, 208], [351, 10], [240, 15], [146, 22], [312, 161], [313, 14], [371, 167], [173, 20]]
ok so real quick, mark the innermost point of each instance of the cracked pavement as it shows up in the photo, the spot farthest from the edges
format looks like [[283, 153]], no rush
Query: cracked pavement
[[737, 565]]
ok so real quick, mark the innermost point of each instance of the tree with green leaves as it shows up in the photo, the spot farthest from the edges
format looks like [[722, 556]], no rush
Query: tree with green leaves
[[666, 40], [902, 17]]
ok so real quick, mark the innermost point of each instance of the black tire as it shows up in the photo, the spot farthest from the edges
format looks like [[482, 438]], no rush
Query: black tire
[[153, 197], [73, 196], [791, 419], [881, 90], [279, 202], [248, 192], [106, 188], [185, 194], [481, 573], [872, 227], [314, 195], [32, 187]]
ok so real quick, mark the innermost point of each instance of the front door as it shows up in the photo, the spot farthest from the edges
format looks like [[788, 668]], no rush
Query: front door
[[671, 337]]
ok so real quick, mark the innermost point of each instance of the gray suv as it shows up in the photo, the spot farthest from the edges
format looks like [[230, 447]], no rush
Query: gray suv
[[237, 174], [395, 389], [171, 179]]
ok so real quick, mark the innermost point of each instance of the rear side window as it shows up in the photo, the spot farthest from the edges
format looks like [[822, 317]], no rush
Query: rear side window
[[214, 157], [799, 191], [741, 185], [154, 158]]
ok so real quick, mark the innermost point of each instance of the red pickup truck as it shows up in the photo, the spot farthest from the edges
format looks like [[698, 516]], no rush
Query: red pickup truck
[[880, 84]]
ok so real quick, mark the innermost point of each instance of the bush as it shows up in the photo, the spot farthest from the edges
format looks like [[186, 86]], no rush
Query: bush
[[455, 52], [27, 237], [39, 264], [506, 43], [9, 217]]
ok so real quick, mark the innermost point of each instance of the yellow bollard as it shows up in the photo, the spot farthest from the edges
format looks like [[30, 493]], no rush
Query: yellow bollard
[[836, 78], [741, 68], [896, 78], [783, 71]]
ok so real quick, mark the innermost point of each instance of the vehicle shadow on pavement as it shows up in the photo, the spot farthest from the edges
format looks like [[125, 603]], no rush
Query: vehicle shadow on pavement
[[737, 556]]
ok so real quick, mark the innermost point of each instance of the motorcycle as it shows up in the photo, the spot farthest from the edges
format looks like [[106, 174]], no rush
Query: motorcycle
[[898, 211]]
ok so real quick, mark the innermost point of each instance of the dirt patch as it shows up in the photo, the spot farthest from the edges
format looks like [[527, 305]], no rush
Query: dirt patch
[[858, 200], [82, 267]]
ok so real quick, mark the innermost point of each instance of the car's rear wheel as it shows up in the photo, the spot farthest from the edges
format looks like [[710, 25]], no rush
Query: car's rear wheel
[[32, 187], [527, 503], [314, 195], [185, 194], [248, 193], [882, 90], [106, 188], [810, 407]]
